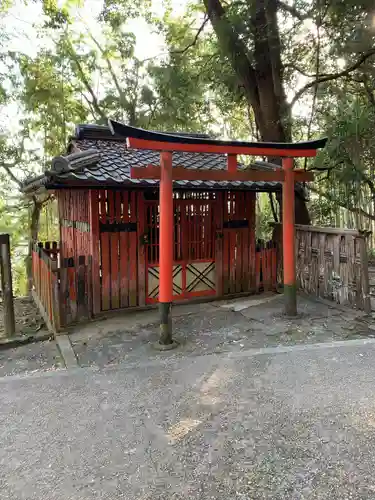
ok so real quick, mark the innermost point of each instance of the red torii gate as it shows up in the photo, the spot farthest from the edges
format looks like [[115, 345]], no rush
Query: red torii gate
[[167, 143]]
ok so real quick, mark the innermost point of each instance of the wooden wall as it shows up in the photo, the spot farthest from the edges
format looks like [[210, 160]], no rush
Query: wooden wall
[[75, 254], [332, 264], [74, 222]]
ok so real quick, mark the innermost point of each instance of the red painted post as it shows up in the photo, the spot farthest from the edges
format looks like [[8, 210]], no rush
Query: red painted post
[[232, 163], [166, 248], [290, 291]]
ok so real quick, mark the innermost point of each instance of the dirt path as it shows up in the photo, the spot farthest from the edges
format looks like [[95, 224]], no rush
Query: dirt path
[[28, 319]]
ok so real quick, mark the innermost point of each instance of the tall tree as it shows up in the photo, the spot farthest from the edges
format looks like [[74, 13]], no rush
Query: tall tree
[[257, 36]]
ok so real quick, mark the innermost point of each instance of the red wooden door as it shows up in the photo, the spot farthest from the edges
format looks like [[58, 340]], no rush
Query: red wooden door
[[247, 266], [118, 229], [238, 247]]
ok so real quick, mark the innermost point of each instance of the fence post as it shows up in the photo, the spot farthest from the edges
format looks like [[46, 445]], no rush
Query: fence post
[[89, 284], [55, 295], [40, 249], [365, 276], [6, 285]]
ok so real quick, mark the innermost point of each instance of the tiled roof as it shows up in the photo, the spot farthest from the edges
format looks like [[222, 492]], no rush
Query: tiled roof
[[115, 161]]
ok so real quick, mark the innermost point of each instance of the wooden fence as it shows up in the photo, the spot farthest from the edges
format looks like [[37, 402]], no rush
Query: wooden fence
[[332, 264], [6, 287], [61, 287], [45, 283]]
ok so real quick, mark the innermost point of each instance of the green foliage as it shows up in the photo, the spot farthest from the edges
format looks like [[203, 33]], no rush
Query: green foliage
[[49, 222], [347, 164], [50, 100], [322, 211], [194, 87], [115, 13], [264, 217]]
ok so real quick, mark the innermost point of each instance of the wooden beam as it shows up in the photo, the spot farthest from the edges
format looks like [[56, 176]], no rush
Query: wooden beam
[[186, 174], [330, 230], [134, 143]]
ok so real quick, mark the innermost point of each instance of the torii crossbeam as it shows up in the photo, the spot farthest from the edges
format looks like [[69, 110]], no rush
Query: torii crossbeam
[[168, 143]]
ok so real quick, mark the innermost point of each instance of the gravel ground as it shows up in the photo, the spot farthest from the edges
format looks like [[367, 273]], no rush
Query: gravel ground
[[197, 334], [200, 329], [278, 425], [216, 327], [30, 358]]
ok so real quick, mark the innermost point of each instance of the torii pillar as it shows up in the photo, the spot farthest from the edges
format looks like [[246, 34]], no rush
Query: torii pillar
[[289, 252], [166, 248]]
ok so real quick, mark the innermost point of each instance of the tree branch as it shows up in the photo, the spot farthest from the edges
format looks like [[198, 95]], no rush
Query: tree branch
[[342, 204], [89, 103], [95, 102], [8, 169], [234, 49], [317, 68], [274, 213], [324, 169], [333, 76], [369, 182], [369, 91], [18, 153], [191, 44], [277, 68], [293, 11], [303, 72], [110, 69]]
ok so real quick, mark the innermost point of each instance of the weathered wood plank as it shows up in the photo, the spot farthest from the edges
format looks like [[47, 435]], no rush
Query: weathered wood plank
[[245, 278], [105, 254], [328, 230], [141, 216], [133, 247], [113, 209], [226, 243], [332, 264], [218, 218], [94, 248], [124, 253], [6, 285]]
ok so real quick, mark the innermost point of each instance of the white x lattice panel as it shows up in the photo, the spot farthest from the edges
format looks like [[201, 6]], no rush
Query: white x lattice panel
[[200, 277], [153, 281]]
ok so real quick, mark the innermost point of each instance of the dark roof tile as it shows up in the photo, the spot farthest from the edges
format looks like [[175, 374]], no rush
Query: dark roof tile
[[116, 160]]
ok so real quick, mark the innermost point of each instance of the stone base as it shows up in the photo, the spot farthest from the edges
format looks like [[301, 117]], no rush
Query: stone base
[[165, 347]]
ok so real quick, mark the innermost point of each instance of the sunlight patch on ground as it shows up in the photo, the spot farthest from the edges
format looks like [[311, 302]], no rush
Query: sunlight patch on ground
[[179, 430], [210, 389], [364, 419]]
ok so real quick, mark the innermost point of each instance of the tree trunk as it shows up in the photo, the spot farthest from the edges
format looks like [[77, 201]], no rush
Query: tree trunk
[[260, 74], [33, 237]]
